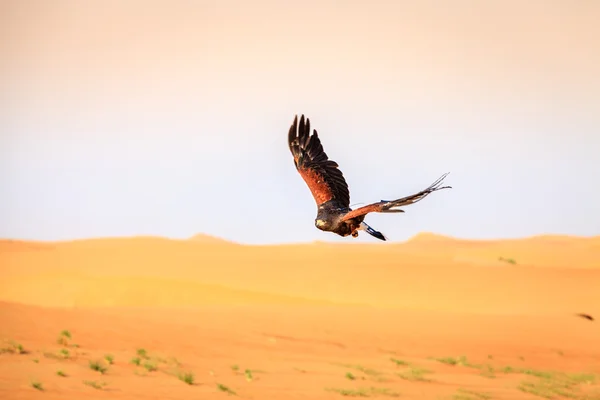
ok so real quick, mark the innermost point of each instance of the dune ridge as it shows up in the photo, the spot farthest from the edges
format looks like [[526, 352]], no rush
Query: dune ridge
[[428, 272]]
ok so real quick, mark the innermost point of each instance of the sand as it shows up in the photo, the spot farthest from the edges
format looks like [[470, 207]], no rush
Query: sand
[[431, 318]]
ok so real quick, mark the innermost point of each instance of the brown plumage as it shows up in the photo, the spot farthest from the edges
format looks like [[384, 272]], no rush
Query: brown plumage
[[330, 190]]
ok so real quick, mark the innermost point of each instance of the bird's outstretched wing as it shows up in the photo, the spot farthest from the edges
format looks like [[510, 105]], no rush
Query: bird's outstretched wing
[[324, 179], [391, 206]]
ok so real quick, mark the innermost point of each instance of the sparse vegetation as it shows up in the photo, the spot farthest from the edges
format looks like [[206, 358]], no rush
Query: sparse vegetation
[[186, 377], [37, 385], [415, 374], [225, 389], [136, 361], [110, 359], [465, 394], [364, 392], [62, 354], [64, 337], [350, 376], [350, 392], [142, 353], [95, 384], [462, 360], [369, 373], [551, 385], [364, 370], [61, 373], [537, 373], [97, 366], [150, 366], [534, 372], [487, 371], [235, 368], [400, 363], [36, 360], [547, 389], [507, 260], [249, 376], [13, 348]]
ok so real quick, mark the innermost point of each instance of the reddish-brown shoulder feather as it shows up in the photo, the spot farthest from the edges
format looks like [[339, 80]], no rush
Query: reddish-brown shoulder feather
[[323, 177]]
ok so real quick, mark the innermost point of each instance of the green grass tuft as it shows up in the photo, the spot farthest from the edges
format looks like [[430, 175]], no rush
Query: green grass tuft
[[97, 366], [225, 389], [136, 361], [465, 394], [64, 337], [249, 376], [95, 384], [186, 377], [150, 366], [364, 392], [415, 374], [65, 333], [13, 347], [462, 360], [364, 370], [142, 353], [507, 260], [400, 363]]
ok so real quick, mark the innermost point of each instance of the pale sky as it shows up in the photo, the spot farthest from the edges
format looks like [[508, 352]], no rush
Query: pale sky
[[170, 118]]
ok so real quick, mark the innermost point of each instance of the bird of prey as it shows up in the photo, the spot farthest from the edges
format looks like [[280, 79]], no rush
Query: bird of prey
[[330, 190]]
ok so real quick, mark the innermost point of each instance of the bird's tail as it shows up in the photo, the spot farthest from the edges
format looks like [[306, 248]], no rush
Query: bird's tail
[[371, 231]]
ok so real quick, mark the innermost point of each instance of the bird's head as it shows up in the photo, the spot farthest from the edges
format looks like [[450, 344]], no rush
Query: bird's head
[[321, 224]]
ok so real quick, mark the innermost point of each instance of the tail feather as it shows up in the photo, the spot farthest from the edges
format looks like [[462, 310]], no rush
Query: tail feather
[[371, 231]]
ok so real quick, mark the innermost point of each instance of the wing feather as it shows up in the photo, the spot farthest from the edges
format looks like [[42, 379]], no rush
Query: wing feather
[[390, 206], [322, 175]]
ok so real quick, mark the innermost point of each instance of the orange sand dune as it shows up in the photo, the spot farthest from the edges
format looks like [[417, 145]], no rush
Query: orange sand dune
[[426, 273], [302, 317]]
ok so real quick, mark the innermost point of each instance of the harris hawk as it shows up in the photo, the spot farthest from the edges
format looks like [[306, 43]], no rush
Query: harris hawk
[[330, 190]]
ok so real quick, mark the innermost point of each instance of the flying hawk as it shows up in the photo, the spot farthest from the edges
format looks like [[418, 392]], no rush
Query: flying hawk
[[330, 190]]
